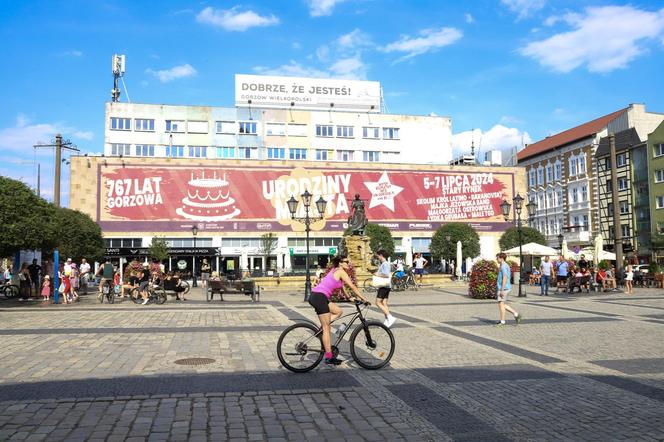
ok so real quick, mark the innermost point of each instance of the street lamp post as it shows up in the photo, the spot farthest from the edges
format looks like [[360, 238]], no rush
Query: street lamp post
[[518, 205], [194, 231], [307, 220], [560, 242]]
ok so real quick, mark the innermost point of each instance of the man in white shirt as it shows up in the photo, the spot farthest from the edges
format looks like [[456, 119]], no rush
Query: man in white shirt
[[419, 262], [85, 275], [546, 268], [384, 271]]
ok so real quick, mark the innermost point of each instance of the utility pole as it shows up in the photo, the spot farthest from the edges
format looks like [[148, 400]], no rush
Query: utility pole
[[617, 227], [59, 145]]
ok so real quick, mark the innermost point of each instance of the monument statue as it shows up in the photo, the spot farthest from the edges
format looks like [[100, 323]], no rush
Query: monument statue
[[357, 220]]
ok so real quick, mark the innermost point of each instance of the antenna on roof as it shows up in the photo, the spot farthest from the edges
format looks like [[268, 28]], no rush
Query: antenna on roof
[[118, 67]]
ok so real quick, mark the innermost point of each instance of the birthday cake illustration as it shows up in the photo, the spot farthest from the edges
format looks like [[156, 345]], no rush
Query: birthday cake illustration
[[208, 199]]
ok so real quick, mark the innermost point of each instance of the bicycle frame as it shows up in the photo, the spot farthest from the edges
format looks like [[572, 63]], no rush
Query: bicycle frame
[[357, 314]]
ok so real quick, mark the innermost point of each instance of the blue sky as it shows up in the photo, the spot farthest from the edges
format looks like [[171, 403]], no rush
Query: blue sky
[[512, 70]]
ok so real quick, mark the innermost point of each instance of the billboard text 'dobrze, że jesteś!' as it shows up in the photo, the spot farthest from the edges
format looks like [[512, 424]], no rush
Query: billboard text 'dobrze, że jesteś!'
[[235, 198]]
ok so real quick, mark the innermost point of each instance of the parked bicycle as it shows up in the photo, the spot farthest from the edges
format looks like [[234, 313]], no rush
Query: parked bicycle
[[156, 294], [9, 290], [300, 346], [368, 287], [406, 282]]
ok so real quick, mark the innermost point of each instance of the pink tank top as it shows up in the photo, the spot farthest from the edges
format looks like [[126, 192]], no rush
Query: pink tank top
[[328, 285]]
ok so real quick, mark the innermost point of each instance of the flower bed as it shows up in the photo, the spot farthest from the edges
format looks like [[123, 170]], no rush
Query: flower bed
[[483, 280]]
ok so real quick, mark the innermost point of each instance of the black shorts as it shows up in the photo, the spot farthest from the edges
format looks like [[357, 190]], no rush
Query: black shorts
[[562, 278], [383, 293], [320, 303]]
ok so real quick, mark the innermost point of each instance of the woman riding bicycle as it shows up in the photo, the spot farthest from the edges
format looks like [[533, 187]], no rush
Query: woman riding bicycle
[[328, 311]]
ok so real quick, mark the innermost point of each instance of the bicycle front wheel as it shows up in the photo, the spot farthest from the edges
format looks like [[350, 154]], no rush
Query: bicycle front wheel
[[300, 347], [160, 295], [367, 286], [372, 346]]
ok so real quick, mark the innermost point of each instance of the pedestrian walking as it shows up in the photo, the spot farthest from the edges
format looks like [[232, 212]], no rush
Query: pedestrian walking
[[629, 278], [420, 262], [503, 290], [74, 282], [205, 273], [25, 282], [84, 276], [546, 269], [35, 272], [384, 271], [562, 274]]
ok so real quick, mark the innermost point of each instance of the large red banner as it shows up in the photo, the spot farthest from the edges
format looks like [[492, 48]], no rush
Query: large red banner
[[170, 198]]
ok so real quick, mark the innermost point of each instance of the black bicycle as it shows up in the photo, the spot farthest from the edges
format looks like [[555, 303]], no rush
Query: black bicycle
[[156, 294], [107, 291], [9, 290], [300, 346]]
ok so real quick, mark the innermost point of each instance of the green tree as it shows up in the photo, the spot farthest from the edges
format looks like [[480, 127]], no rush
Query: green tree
[[510, 238], [27, 222], [380, 238], [442, 248], [269, 242], [79, 236], [159, 248]]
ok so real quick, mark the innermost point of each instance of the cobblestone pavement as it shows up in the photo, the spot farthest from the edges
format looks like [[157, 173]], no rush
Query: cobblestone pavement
[[582, 367]]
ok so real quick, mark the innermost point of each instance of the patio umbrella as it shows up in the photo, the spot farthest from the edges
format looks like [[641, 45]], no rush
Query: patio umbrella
[[532, 249], [599, 248], [459, 258]]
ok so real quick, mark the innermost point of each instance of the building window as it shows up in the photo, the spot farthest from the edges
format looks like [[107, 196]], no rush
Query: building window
[[572, 166], [585, 223], [582, 163], [370, 132], [660, 228], [174, 151], [558, 170], [323, 130], [609, 209], [276, 153], [144, 125], [247, 152], [225, 152], [197, 151], [624, 228], [297, 154], [345, 131], [144, 150], [659, 175], [576, 221], [659, 149], [621, 159], [540, 176], [549, 174], [531, 178], [575, 195], [197, 127], [275, 129], [549, 200], [345, 155], [120, 123], [624, 207], [560, 197], [584, 193], [659, 202], [225, 127], [248, 128], [607, 163], [322, 154], [174, 126], [622, 183], [370, 156], [123, 242], [609, 186], [297, 130], [188, 242], [390, 133], [120, 149]]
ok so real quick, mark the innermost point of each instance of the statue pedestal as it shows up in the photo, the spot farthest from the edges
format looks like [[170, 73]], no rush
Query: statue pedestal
[[360, 254]]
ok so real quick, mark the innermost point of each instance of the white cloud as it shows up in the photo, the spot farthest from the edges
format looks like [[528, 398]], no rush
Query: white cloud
[[603, 39], [24, 134], [72, 53], [499, 137], [354, 40], [296, 45], [352, 68], [166, 75], [524, 8], [234, 20], [469, 18], [318, 8], [83, 135], [429, 40]]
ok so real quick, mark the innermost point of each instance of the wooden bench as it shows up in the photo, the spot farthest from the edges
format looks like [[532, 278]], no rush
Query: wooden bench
[[245, 287]]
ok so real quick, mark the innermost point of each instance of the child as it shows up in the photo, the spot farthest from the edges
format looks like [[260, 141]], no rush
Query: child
[[629, 277], [46, 288]]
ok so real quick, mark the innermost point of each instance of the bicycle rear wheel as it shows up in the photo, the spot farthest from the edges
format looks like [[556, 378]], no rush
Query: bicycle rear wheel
[[11, 291], [367, 286], [160, 295], [135, 295], [300, 347], [372, 347]]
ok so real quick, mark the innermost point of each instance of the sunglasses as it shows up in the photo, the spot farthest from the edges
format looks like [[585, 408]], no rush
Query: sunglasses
[[346, 261]]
